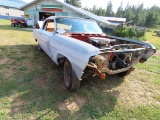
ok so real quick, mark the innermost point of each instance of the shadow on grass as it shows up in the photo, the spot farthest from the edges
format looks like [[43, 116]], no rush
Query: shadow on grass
[[36, 88], [9, 27]]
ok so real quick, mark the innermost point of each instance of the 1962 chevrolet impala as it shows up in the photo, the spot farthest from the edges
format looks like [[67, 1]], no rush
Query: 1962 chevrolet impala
[[85, 50]]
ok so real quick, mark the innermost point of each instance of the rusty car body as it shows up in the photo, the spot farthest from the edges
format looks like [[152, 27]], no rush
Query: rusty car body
[[84, 49]]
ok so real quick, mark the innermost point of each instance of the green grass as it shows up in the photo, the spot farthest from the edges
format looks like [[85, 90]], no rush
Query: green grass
[[152, 38], [32, 86]]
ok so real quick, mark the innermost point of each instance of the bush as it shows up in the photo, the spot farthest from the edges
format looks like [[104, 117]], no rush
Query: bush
[[128, 32]]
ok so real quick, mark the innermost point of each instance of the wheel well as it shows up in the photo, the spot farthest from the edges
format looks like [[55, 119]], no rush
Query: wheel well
[[61, 58]]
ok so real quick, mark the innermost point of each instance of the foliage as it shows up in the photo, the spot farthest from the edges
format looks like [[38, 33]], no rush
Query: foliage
[[142, 17], [153, 18], [76, 3], [98, 11], [120, 10], [128, 32], [109, 11]]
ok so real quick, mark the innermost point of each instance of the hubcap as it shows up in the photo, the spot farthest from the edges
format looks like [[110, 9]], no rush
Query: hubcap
[[67, 75]]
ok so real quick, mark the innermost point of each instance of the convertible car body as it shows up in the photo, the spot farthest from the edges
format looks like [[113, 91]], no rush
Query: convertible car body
[[85, 50]]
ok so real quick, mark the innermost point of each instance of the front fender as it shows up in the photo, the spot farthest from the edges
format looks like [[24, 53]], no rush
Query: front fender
[[76, 51], [77, 64]]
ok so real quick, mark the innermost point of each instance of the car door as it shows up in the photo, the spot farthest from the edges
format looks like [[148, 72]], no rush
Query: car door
[[46, 36]]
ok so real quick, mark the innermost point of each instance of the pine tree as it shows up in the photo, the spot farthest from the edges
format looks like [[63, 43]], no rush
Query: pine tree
[[129, 13], [76, 3], [142, 17], [94, 9], [109, 11], [153, 18], [120, 10]]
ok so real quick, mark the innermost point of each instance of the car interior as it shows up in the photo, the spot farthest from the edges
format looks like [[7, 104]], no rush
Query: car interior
[[50, 26]]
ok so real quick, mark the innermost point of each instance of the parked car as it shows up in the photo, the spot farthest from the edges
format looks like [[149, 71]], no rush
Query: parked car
[[20, 22], [85, 50]]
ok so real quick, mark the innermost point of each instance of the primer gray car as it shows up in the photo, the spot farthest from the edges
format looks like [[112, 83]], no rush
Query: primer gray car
[[85, 50]]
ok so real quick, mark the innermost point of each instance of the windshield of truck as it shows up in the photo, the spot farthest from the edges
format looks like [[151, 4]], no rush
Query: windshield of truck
[[78, 25]]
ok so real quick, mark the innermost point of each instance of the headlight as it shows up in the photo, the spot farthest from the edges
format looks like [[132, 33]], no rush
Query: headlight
[[102, 61]]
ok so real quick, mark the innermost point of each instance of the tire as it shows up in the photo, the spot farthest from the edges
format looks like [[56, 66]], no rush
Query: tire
[[26, 26], [12, 24], [125, 73], [71, 81], [122, 74], [19, 25]]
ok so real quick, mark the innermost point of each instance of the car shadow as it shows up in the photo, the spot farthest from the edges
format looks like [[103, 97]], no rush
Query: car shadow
[[35, 85]]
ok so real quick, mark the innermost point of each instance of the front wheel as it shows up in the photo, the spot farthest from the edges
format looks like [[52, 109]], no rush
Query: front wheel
[[71, 81], [122, 74], [125, 73]]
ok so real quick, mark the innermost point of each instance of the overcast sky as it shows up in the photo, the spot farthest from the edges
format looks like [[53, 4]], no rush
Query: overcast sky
[[116, 3]]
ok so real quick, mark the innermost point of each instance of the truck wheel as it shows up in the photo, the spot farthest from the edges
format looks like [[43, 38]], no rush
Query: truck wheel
[[26, 26], [12, 24], [71, 81], [19, 25]]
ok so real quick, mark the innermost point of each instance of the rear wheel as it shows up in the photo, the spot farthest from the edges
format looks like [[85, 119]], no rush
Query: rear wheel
[[71, 81], [12, 24], [19, 25], [25, 25]]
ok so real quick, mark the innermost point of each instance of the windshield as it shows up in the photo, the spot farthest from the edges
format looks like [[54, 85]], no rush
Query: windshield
[[78, 25]]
